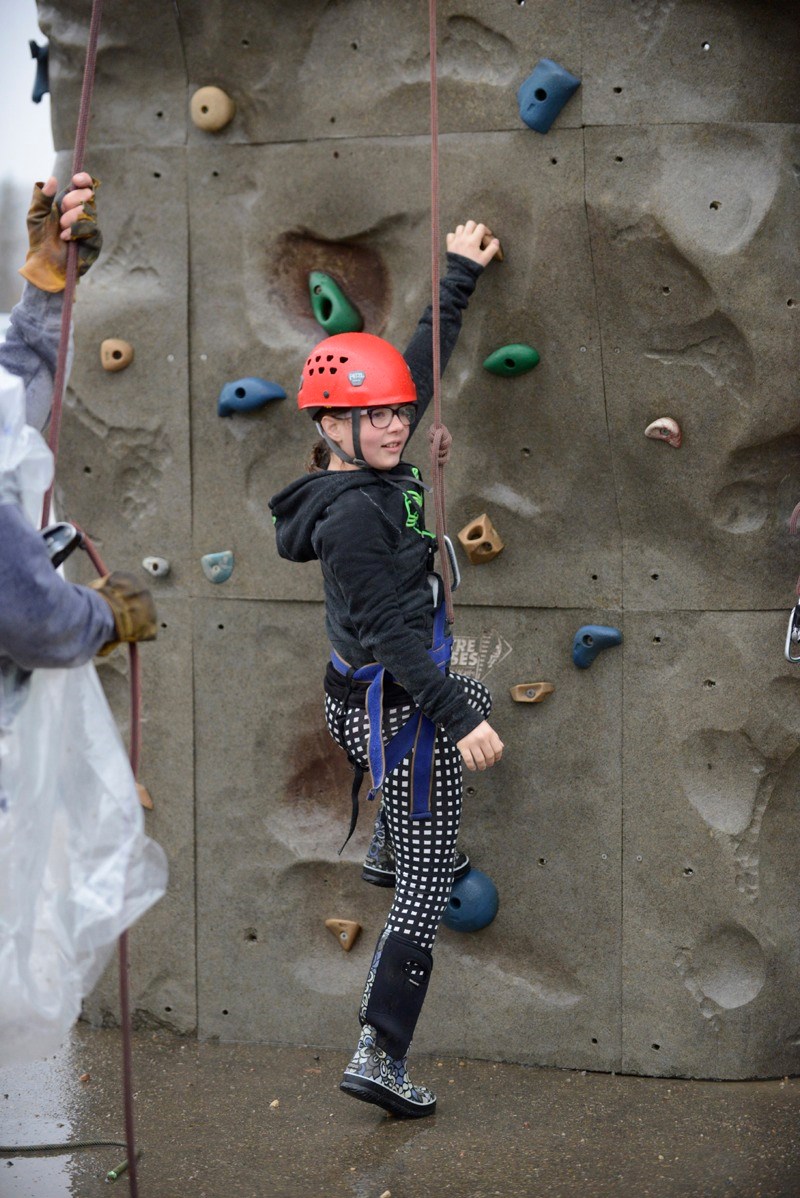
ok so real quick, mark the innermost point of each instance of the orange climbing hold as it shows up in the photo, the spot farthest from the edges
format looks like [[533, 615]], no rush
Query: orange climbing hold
[[346, 931], [115, 354], [531, 692], [481, 540]]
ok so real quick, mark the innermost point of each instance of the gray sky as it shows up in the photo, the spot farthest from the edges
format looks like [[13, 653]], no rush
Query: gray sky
[[26, 143]]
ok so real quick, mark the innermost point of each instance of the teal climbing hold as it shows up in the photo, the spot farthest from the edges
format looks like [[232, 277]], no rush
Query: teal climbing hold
[[544, 93], [510, 360], [473, 904], [217, 567], [590, 640], [247, 395], [331, 306]]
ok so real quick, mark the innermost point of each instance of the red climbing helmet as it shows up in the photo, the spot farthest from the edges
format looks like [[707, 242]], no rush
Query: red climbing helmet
[[355, 370]]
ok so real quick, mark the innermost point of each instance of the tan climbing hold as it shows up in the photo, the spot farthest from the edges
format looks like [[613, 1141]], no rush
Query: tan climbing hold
[[211, 109], [665, 429], [487, 237], [144, 796], [480, 540], [531, 692], [115, 354], [345, 930]]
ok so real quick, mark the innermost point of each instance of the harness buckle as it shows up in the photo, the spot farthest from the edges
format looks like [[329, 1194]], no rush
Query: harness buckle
[[793, 635]]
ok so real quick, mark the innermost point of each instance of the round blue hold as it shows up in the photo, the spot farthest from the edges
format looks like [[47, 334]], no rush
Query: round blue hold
[[473, 902]]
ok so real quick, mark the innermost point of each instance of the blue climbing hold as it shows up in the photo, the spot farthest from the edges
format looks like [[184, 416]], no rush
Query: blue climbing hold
[[217, 567], [591, 640], [544, 93], [247, 395], [473, 902], [41, 84]]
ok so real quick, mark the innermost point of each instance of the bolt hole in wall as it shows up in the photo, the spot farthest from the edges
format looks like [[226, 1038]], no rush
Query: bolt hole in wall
[[617, 90], [656, 640], [715, 204], [654, 577], [619, 158], [790, 303], [594, 1039], [159, 115], [87, 470], [656, 1047], [245, 42]]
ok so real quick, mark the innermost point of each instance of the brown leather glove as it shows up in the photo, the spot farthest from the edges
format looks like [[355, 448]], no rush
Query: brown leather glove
[[46, 262], [132, 605]]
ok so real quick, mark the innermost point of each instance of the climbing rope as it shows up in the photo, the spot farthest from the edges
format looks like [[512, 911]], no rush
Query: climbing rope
[[440, 438], [81, 137], [81, 134]]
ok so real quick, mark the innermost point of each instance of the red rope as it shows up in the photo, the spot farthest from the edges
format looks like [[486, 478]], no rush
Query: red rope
[[439, 436], [81, 133], [81, 137]]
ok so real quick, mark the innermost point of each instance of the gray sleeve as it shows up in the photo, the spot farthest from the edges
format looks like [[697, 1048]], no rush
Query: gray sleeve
[[30, 349], [44, 621]]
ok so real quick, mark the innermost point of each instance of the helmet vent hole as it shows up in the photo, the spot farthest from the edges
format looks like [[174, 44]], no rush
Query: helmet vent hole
[[329, 358], [311, 371], [332, 369], [343, 360]]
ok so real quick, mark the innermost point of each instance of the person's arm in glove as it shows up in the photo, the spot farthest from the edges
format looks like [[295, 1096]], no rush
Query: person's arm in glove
[[133, 608], [31, 346], [53, 221]]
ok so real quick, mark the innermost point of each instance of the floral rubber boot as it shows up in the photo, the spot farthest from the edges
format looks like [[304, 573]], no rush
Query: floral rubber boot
[[373, 1076]]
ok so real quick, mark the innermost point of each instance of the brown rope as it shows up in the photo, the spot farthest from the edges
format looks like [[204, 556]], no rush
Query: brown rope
[[440, 438]]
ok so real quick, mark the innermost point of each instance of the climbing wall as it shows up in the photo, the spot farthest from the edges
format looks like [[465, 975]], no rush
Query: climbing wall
[[643, 827]]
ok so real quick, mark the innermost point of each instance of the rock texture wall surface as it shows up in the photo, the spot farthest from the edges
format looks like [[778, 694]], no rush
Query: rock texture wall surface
[[642, 829]]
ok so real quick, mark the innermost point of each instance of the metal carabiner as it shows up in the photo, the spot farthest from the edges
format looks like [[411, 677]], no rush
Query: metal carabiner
[[793, 635], [455, 573]]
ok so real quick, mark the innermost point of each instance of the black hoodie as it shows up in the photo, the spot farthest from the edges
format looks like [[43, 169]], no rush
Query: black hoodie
[[367, 529]]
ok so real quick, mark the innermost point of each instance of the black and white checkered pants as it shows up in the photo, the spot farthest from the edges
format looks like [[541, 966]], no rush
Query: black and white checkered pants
[[424, 848]]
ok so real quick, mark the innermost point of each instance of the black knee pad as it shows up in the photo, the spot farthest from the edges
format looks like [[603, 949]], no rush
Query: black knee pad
[[398, 992]]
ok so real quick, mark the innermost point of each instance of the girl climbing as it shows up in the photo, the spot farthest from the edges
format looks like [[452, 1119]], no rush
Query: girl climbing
[[390, 702]]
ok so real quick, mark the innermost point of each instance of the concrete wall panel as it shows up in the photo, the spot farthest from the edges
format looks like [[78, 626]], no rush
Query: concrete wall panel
[[273, 805], [313, 71], [665, 62], [532, 451], [707, 336], [711, 769]]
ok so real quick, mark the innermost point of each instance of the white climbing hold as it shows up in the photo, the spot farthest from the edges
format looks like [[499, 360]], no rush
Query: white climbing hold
[[665, 429], [159, 567]]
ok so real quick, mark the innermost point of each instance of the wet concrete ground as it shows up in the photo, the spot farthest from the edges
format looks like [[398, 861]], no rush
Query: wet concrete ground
[[206, 1122]]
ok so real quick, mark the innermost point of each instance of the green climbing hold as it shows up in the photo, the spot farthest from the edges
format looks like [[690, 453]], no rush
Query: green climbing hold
[[512, 359], [331, 306]]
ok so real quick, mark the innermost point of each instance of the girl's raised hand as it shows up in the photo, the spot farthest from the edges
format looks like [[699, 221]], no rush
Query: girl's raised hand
[[468, 241]]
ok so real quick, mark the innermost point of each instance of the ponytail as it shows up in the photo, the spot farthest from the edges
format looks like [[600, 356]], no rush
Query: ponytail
[[319, 458]]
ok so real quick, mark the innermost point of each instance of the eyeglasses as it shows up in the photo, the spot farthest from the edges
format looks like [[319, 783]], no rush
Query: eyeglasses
[[382, 417]]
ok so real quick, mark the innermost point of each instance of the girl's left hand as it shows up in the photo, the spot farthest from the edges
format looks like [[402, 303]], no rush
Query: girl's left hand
[[468, 242]]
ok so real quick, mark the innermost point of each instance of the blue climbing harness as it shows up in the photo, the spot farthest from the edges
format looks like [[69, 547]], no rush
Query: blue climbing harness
[[417, 734]]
